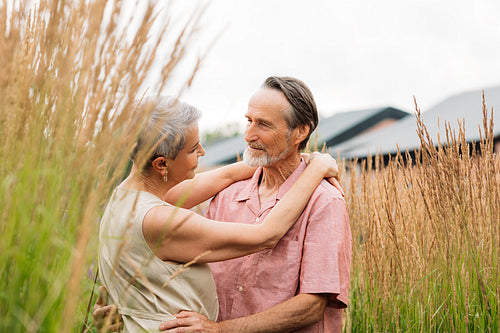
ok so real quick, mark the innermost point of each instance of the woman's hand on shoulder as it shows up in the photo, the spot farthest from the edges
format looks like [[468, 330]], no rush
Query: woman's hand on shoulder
[[329, 164]]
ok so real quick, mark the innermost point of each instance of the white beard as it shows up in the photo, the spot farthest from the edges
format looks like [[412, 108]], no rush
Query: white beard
[[263, 159]]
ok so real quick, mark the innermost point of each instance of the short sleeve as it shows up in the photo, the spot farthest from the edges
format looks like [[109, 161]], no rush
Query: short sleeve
[[326, 258], [212, 207]]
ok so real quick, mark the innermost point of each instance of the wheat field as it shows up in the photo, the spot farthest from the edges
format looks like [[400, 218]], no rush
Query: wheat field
[[426, 235]]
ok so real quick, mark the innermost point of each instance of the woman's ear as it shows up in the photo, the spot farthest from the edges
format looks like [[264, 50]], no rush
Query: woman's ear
[[160, 164]]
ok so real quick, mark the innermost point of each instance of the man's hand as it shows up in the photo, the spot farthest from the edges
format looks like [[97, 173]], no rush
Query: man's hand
[[106, 317], [334, 180], [187, 321]]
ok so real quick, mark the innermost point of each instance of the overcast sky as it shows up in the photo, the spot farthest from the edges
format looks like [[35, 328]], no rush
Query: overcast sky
[[352, 54]]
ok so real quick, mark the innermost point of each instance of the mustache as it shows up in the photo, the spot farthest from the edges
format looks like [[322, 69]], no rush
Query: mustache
[[256, 145]]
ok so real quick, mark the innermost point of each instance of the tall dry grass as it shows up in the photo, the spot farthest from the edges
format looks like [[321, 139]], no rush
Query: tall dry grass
[[70, 75], [426, 237]]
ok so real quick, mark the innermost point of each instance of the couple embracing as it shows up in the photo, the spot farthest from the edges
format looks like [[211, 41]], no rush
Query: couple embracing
[[273, 253]]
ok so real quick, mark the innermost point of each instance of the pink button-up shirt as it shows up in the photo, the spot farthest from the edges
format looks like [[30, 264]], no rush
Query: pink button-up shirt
[[313, 257]]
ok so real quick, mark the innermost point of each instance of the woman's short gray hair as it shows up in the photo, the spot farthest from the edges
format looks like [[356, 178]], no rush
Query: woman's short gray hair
[[165, 129]]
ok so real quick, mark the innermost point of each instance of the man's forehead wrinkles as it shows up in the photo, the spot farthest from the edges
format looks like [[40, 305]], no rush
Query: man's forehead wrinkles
[[266, 115], [259, 117]]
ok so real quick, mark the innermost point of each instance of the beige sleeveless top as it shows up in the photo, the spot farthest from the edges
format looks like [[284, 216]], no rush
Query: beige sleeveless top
[[135, 278]]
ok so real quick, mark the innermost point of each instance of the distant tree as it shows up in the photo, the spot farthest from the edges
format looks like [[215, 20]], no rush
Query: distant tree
[[221, 132]]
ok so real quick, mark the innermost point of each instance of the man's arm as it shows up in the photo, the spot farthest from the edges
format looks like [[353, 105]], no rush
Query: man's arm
[[106, 317], [297, 312]]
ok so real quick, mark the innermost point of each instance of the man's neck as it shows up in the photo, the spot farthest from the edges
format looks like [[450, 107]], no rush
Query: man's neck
[[275, 175]]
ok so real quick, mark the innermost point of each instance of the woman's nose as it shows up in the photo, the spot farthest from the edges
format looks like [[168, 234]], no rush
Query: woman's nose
[[202, 150]]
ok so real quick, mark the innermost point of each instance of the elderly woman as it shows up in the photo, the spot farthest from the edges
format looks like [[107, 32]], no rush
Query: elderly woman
[[145, 240]]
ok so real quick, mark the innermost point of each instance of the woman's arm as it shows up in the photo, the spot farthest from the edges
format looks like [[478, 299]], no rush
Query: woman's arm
[[205, 185], [188, 235]]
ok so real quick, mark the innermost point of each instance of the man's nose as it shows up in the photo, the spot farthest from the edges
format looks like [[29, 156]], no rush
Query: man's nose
[[250, 133]]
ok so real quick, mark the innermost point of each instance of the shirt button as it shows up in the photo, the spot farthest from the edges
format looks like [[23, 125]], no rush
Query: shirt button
[[256, 219], [240, 288]]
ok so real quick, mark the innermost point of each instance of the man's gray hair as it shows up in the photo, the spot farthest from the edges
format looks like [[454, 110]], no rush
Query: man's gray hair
[[303, 107], [165, 129]]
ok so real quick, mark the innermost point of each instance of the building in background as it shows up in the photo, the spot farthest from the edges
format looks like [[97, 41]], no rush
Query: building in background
[[466, 107], [223, 152], [332, 131], [344, 126], [363, 133]]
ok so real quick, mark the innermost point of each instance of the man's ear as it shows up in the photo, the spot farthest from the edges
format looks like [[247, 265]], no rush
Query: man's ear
[[302, 132]]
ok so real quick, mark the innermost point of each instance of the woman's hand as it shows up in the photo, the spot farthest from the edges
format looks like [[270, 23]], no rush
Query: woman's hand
[[332, 169]]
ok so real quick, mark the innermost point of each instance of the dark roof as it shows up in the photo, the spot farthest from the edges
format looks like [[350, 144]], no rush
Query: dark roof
[[346, 125], [466, 106], [332, 130], [224, 152]]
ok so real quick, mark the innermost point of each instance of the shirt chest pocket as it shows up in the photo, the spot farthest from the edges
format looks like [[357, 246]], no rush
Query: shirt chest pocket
[[278, 269]]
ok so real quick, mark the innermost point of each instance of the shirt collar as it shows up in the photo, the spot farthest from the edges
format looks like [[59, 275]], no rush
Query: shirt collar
[[291, 180], [250, 187], [253, 184]]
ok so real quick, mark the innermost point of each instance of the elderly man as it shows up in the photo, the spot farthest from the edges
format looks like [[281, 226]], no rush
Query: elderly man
[[302, 284]]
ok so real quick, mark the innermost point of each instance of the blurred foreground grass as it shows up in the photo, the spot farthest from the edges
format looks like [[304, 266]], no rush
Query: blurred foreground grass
[[71, 75]]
